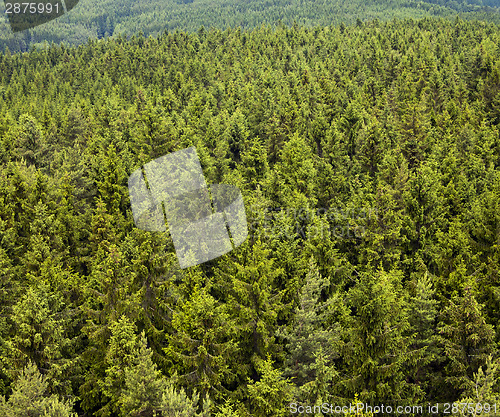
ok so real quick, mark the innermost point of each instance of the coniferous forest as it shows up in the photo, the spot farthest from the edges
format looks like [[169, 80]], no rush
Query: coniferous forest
[[104, 18], [368, 156]]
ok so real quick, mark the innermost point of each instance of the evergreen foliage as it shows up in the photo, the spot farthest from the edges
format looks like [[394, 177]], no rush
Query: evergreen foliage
[[368, 157], [105, 18]]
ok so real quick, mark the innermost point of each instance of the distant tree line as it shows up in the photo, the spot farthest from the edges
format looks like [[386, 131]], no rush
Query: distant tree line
[[92, 19]]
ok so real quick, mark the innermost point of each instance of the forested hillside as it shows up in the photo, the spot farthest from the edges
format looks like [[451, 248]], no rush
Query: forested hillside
[[368, 157], [100, 18]]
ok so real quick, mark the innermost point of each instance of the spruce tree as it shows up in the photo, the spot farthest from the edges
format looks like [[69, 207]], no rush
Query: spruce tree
[[485, 390], [377, 353], [201, 347], [271, 394], [121, 353], [39, 336], [29, 398], [144, 385], [466, 341], [423, 322], [312, 341], [254, 301]]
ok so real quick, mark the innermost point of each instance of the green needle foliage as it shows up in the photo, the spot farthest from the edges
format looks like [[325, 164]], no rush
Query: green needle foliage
[[368, 157]]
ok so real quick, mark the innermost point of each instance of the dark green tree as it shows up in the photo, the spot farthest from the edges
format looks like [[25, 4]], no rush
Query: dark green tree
[[377, 354], [466, 341]]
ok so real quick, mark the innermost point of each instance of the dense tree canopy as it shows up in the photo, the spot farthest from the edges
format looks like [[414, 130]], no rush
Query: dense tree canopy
[[368, 157], [102, 18]]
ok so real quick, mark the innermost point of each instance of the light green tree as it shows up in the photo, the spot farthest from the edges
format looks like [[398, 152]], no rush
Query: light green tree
[[29, 398], [271, 394]]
